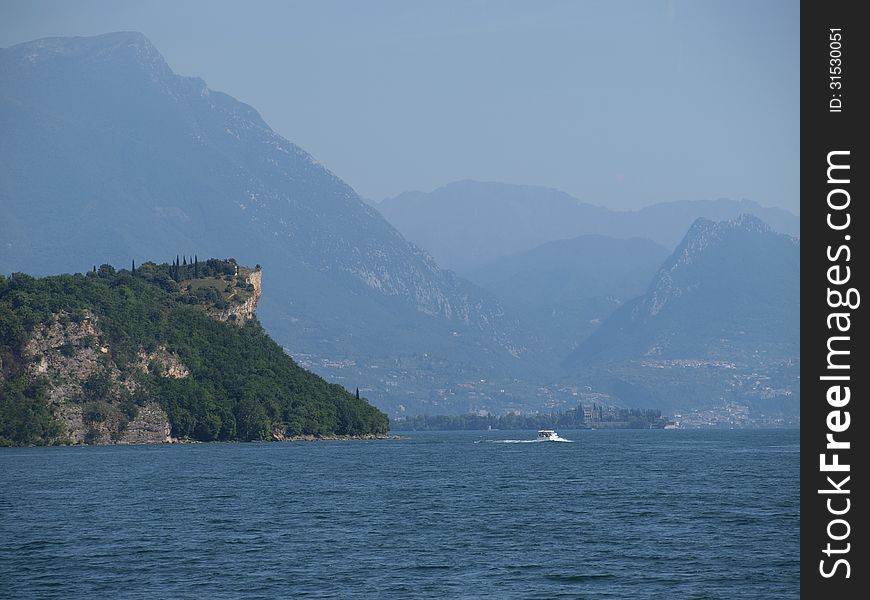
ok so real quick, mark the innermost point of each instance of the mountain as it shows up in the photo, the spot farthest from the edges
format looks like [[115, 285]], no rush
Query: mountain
[[107, 156], [469, 223], [162, 352], [466, 224], [566, 287], [723, 310]]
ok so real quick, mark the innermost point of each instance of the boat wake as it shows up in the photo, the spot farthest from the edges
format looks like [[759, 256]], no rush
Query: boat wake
[[538, 441]]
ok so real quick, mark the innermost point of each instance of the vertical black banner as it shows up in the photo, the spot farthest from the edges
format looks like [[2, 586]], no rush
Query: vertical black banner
[[834, 262]]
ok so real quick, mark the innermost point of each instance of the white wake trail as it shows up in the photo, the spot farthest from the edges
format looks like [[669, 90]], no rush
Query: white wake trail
[[555, 439]]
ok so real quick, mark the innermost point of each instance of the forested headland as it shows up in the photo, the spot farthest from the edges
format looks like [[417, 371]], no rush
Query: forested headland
[[82, 356]]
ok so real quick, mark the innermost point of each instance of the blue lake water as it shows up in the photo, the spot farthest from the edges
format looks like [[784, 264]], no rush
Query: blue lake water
[[615, 514]]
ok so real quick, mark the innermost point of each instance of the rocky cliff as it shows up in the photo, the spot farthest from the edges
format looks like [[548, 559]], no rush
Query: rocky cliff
[[241, 309], [96, 401]]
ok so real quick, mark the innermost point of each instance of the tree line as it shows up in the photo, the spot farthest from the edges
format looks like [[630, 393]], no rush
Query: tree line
[[574, 418]]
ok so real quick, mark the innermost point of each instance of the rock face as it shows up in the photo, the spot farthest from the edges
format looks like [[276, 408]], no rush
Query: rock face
[[68, 353], [151, 426], [164, 362], [86, 387], [243, 312]]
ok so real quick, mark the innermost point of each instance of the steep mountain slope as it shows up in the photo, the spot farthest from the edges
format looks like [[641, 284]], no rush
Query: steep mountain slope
[[106, 156], [720, 320], [730, 290], [565, 288], [469, 223]]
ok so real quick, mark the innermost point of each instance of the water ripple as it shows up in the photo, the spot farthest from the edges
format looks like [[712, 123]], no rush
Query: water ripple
[[613, 515]]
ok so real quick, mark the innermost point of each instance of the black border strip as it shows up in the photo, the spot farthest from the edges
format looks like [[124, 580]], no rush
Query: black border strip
[[830, 122]]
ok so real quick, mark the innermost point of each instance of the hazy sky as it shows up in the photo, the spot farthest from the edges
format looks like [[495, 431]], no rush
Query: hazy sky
[[619, 103]]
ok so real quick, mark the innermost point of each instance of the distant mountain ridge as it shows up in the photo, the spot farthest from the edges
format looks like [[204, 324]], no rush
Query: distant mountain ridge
[[729, 291], [566, 287], [466, 224]]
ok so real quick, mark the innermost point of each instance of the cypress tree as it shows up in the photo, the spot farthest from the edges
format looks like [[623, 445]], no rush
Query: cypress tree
[[195, 266], [357, 393], [133, 270]]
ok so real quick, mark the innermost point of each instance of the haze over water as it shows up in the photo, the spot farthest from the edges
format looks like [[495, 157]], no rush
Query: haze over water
[[616, 514]]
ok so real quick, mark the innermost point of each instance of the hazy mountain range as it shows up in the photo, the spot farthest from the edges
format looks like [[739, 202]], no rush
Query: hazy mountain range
[[466, 224], [106, 155]]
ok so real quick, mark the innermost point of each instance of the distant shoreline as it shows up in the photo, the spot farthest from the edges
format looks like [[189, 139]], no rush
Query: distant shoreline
[[330, 437], [339, 438]]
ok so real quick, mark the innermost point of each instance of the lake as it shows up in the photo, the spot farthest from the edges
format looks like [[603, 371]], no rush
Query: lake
[[615, 514]]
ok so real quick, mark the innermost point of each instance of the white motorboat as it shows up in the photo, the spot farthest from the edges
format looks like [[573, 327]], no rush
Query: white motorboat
[[548, 435]]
